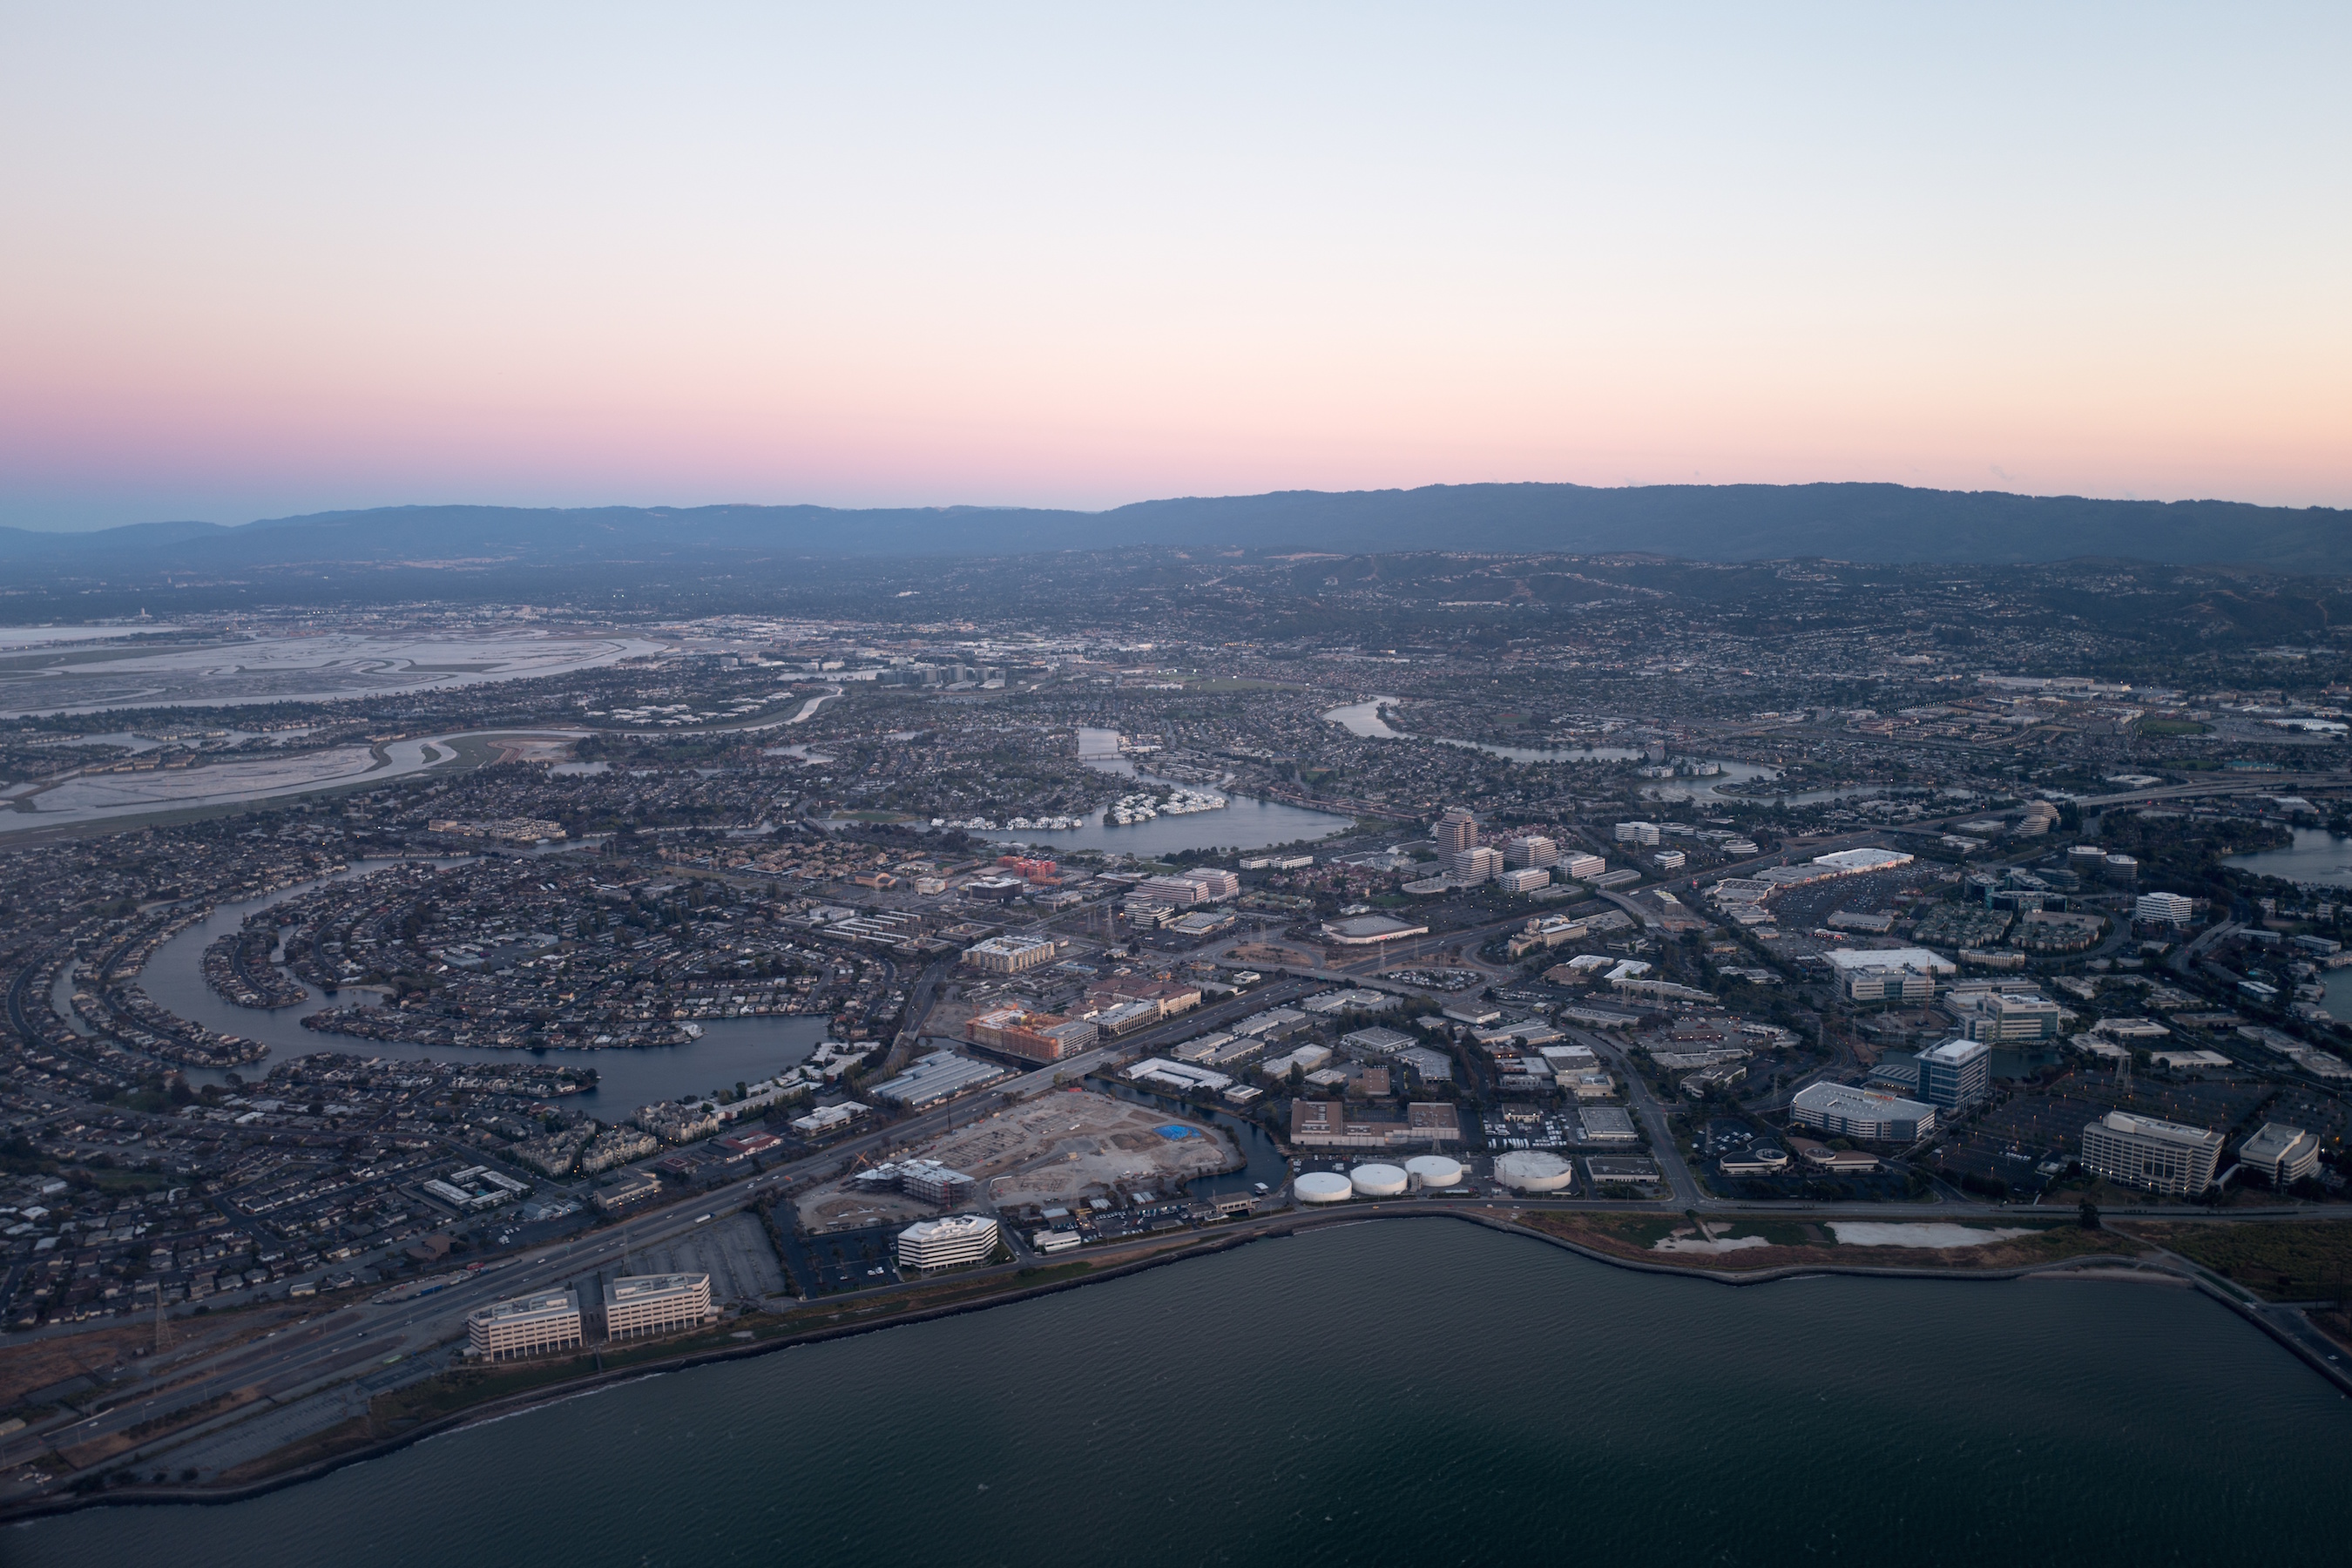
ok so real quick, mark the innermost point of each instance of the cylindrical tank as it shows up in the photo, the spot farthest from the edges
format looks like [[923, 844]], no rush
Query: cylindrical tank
[[1323, 1187], [1435, 1173], [1533, 1171], [1377, 1181]]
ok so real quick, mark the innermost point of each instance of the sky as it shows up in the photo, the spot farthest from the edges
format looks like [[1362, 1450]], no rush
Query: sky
[[261, 259]]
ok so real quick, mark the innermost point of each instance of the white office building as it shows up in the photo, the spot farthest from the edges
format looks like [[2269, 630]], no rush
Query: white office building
[[2162, 908], [2285, 1154], [525, 1325], [1477, 864], [1637, 833], [1527, 880], [945, 1243], [2142, 1152], [637, 1304], [1583, 868], [1530, 849]]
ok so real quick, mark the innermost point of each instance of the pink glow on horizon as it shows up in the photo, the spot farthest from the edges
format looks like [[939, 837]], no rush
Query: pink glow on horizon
[[1028, 264]]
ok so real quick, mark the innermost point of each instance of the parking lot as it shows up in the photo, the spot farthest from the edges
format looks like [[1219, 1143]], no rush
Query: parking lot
[[733, 1250], [843, 1260]]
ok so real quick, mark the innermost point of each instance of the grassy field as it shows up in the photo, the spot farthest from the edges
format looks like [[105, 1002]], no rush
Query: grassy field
[[2285, 1261], [1794, 1242]]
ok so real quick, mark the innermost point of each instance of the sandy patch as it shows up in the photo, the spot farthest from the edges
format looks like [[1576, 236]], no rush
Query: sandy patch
[[1938, 1235], [1685, 1242]]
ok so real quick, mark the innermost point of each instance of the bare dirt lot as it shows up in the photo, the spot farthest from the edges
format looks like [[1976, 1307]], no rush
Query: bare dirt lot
[[1053, 1151]]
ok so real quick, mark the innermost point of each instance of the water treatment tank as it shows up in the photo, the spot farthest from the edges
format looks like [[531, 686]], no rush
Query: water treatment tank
[[1435, 1173], [1377, 1181], [1324, 1187], [1533, 1171]]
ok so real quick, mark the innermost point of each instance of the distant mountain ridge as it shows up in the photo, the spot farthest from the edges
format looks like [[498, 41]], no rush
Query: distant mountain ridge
[[1875, 523]]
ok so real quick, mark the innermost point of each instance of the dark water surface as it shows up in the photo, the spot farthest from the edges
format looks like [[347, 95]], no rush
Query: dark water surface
[[1389, 1393]]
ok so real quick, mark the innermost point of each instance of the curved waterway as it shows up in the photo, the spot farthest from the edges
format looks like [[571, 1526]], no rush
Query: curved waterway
[[1244, 822], [1399, 1393], [730, 1051], [1364, 719]]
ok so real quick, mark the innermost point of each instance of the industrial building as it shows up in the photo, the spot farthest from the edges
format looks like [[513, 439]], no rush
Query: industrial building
[[2285, 1154], [2142, 1152], [947, 1243], [525, 1325], [1012, 955], [638, 1304], [939, 1075], [1864, 1114]]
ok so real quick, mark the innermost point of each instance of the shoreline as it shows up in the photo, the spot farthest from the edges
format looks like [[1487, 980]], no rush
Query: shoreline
[[2095, 1266]]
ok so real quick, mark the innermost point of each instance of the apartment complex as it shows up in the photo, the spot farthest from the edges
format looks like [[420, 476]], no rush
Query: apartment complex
[[1011, 954], [637, 1304]]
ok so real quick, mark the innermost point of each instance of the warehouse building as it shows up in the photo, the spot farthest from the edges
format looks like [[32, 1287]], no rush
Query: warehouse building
[[2142, 1152], [525, 1325], [940, 1075], [639, 1304]]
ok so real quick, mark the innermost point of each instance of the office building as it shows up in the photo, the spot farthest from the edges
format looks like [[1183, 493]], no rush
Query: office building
[[1637, 833], [1583, 868], [525, 1325], [1865, 1114], [1889, 974], [2162, 908], [1530, 849], [2004, 1016], [638, 1304], [2141, 1151], [1476, 864], [1456, 830], [2285, 1154], [1955, 1074], [1011, 954], [947, 1243], [1524, 880]]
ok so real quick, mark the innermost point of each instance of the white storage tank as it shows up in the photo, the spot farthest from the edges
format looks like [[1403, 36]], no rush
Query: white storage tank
[[1323, 1187], [1377, 1181], [1533, 1171], [1435, 1173]]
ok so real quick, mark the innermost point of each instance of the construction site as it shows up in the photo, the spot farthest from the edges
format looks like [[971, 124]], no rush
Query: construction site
[[1055, 1150]]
